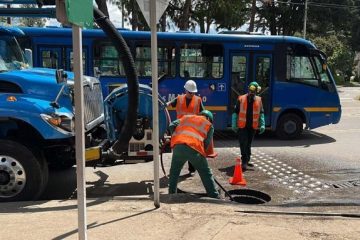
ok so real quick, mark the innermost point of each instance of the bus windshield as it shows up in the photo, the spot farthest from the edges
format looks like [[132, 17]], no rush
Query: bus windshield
[[11, 57]]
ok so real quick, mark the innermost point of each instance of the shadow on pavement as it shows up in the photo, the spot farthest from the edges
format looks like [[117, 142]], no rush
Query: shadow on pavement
[[95, 225]]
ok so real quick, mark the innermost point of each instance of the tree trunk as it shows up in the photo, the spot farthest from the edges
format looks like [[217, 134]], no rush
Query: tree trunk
[[163, 23], [252, 17], [134, 20], [272, 26], [184, 22]]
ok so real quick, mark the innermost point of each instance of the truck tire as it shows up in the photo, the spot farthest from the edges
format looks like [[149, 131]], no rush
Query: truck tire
[[23, 176], [289, 126]]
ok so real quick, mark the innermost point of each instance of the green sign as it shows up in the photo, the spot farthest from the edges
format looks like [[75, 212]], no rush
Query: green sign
[[80, 12]]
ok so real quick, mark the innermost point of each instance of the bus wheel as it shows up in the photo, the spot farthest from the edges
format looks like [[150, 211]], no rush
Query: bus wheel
[[289, 126], [22, 175]]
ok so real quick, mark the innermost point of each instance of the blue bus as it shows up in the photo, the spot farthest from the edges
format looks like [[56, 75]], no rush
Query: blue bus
[[298, 90]]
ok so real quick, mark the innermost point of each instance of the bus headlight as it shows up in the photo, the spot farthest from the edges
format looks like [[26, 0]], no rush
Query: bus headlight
[[60, 122]]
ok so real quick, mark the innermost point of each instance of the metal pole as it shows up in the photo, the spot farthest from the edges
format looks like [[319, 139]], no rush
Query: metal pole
[[305, 18], [8, 20], [155, 99], [79, 131], [122, 14]]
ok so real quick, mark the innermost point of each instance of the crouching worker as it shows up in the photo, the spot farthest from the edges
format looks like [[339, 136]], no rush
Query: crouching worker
[[191, 136]]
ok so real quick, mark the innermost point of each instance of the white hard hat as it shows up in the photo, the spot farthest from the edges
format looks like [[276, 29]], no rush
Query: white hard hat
[[190, 86]]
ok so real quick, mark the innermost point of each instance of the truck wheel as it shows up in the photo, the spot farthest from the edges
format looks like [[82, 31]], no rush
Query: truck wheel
[[289, 126], [23, 177]]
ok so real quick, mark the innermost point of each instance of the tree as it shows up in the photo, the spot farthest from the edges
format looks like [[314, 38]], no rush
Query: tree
[[31, 21], [340, 55], [227, 14]]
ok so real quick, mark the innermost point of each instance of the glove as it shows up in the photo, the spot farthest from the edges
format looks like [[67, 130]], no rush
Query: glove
[[262, 130], [262, 124], [234, 119]]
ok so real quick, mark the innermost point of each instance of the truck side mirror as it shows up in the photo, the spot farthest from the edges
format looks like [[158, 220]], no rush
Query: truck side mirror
[[28, 57], [61, 76]]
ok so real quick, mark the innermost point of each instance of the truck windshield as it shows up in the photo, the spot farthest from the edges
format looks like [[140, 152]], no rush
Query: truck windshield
[[11, 56]]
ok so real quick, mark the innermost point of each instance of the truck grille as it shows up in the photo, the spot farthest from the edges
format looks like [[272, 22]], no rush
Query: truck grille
[[93, 102]]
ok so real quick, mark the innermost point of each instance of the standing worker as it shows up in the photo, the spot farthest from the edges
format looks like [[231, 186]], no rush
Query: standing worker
[[186, 104], [248, 116], [191, 137]]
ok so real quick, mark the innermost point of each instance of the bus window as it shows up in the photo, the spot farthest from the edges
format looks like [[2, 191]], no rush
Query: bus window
[[166, 60], [72, 60], [262, 77], [50, 59], [325, 81], [300, 70], [238, 78], [263, 71], [106, 60], [196, 63]]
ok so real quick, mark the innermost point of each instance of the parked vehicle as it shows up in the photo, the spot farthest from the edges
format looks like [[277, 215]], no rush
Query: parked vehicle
[[37, 121], [297, 87]]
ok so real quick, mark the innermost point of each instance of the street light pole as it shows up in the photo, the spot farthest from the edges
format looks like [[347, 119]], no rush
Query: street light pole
[[305, 18]]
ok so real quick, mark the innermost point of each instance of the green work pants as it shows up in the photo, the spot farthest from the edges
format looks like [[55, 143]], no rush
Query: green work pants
[[246, 136], [183, 153]]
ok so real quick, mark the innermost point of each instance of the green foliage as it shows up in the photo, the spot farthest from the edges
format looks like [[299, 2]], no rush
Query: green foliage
[[340, 55]]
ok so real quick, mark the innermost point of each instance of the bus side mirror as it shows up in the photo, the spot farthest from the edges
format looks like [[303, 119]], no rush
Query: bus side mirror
[[29, 57]]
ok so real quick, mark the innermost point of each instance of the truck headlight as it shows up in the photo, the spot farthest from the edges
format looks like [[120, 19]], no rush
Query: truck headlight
[[61, 122]]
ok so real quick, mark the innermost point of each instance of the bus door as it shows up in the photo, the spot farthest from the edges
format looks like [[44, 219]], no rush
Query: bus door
[[262, 74], [69, 65], [239, 75], [50, 57]]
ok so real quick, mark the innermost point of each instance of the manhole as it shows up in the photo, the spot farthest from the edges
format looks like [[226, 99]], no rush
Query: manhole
[[249, 196]]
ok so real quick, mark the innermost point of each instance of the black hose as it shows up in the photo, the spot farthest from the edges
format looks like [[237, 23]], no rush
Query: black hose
[[162, 165], [127, 130], [226, 192]]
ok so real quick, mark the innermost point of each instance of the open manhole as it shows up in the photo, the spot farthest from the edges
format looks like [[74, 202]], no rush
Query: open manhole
[[249, 196]]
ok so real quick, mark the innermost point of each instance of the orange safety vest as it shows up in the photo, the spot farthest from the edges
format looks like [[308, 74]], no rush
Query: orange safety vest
[[182, 109], [257, 106], [192, 131]]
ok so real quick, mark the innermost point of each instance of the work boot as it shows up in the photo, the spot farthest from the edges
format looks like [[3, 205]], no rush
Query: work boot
[[220, 196], [250, 164], [244, 167]]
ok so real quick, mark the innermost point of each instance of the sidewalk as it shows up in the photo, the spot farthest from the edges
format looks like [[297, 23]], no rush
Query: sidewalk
[[180, 216]]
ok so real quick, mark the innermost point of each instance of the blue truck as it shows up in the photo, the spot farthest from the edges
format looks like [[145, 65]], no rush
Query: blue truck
[[37, 122]]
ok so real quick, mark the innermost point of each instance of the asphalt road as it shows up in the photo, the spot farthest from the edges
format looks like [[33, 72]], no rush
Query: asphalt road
[[321, 168]]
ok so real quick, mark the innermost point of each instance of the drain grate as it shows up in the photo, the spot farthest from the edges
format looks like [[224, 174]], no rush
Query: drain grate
[[347, 184]]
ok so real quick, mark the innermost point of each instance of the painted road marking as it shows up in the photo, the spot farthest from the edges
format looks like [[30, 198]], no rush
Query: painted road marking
[[289, 177]]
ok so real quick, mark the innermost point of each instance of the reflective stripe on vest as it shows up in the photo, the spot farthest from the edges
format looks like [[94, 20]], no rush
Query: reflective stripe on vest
[[182, 109], [192, 131], [257, 105]]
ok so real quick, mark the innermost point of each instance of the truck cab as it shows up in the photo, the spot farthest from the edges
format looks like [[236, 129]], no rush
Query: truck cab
[[37, 120]]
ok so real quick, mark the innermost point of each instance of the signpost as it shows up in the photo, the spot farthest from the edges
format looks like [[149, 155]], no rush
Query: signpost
[[80, 14], [152, 11]]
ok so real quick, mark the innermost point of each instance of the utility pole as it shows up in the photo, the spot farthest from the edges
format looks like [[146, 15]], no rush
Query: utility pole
[[305, 18], [122, 14], [8, 19]]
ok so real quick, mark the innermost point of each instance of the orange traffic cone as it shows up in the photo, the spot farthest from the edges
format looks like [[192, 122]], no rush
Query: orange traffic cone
[[237, 179]]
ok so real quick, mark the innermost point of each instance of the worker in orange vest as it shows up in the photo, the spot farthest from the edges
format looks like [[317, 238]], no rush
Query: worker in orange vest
[[190, 141], [186, 104], [248, 116]]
